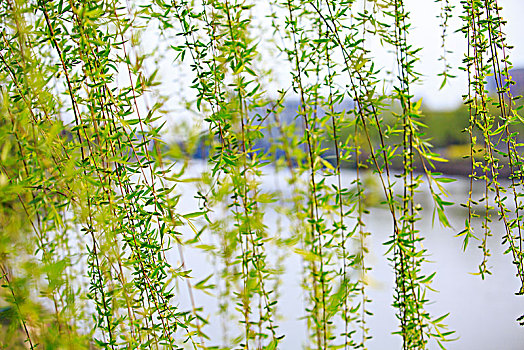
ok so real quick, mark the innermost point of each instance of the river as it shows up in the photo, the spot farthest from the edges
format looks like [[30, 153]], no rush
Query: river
[[482, 312]]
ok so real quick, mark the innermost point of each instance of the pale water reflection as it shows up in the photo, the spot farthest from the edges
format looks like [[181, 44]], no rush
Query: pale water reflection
[[483, 313]]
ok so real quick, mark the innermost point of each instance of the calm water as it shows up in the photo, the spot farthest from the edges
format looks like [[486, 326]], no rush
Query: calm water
[[482, 313]]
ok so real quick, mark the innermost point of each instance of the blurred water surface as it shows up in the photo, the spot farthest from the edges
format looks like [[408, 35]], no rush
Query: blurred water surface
[[482, 312]]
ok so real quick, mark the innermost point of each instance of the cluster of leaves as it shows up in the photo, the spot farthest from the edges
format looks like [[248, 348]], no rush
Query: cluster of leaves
[[488, 54]]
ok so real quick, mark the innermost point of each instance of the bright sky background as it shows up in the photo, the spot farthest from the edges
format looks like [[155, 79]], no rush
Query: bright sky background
[[423, 34]]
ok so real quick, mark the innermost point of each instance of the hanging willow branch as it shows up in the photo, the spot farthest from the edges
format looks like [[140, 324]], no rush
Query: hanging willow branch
[[93, 202]]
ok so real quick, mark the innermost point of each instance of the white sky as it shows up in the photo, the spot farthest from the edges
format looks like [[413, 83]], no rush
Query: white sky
[[425, 33], [424, 18]]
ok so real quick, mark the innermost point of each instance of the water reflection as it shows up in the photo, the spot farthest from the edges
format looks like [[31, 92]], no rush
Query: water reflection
[[483, 313]]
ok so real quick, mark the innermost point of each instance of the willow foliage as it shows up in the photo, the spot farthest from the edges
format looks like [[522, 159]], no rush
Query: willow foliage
[[93, 221]]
